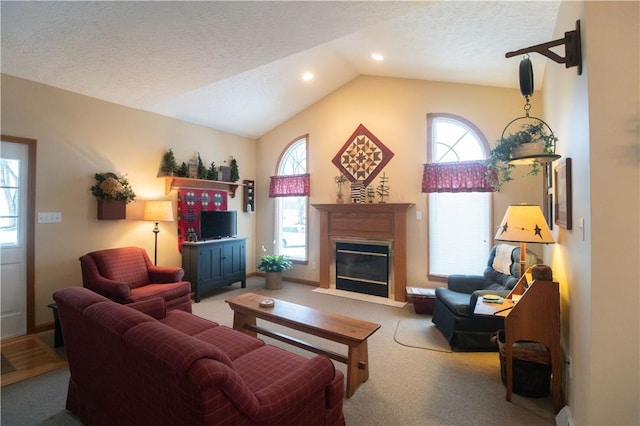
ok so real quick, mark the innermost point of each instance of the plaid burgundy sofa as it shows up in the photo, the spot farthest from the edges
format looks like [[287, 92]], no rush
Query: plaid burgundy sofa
[[138, 364]]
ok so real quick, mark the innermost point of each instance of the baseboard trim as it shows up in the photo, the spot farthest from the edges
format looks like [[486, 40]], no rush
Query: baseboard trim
[[564, 417]]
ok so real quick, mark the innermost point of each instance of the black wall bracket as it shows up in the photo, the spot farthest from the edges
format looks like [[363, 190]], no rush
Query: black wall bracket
[[572, 49]]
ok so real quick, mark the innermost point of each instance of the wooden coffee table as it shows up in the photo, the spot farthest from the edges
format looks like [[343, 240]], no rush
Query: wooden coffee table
[[337, 328]]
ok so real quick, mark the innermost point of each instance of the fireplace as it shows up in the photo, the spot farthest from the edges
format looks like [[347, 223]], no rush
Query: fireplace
[[376, 224], [362, 266]]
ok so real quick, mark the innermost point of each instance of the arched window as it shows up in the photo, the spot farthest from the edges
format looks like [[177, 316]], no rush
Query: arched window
[[459, 222], [291, 211]]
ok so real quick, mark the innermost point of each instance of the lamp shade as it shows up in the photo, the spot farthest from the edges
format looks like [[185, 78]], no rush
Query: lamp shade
[[524, 223], [158, 211]]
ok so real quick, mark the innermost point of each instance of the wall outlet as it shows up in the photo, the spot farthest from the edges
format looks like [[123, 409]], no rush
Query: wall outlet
[[313, 265], [418, 214]]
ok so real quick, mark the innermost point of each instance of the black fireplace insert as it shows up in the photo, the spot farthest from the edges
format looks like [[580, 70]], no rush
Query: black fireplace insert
[[363, 268]]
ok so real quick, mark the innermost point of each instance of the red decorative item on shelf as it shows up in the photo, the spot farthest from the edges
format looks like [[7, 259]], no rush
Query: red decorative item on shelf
[[112, 210], [190, 203]]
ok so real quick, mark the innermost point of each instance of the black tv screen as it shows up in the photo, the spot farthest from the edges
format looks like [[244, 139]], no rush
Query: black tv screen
[[218, 224]]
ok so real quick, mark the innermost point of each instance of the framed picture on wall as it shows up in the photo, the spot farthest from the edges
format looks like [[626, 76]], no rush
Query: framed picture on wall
[[547, 202], [563, 213]]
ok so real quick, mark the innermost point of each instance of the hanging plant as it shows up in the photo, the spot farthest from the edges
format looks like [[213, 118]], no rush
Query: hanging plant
[[498, 163]]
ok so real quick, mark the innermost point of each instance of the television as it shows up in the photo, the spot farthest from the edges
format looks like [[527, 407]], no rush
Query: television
[[218, 224]]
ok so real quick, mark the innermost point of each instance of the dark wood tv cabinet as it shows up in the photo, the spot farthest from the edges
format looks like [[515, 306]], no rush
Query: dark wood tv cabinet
[[215, 263]]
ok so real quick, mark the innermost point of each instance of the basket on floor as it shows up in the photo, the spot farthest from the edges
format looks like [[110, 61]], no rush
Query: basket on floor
[[531, 368]]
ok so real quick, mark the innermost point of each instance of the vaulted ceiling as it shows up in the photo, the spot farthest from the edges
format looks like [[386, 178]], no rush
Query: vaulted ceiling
[[237, 66]]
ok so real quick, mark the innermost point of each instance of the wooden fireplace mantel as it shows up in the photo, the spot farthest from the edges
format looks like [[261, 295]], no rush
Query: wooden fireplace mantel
[[366, 221]]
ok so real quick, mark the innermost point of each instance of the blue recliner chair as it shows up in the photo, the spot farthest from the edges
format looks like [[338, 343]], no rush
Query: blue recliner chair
[[454, 304]]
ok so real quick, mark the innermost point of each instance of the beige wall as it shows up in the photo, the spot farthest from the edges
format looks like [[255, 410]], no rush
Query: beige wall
[[79, 136], [394, 110], [598, 120]]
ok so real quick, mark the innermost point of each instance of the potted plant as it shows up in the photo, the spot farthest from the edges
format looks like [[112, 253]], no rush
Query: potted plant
[[273, 265], [202, 169], [182, 170], [234, 175], [113, 194], [212, 172], [169, 165], [529, 141]]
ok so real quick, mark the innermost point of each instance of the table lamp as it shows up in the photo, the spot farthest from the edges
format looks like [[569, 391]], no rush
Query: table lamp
[[157, 211], [524, 223]]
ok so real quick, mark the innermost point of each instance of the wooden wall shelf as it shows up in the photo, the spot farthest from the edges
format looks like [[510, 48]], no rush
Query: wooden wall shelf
[[174, 182]]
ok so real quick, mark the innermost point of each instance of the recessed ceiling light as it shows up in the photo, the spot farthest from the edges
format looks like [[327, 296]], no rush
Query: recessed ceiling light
[[377, 57], [307, 76]]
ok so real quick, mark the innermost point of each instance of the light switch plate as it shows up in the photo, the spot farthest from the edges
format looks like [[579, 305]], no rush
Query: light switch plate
[[49, 217]]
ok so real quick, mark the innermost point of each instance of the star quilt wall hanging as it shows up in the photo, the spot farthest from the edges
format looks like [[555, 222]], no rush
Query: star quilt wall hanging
[[362, 156]]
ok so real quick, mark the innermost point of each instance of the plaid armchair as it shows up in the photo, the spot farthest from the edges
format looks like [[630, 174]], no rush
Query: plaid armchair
[[126, 275]]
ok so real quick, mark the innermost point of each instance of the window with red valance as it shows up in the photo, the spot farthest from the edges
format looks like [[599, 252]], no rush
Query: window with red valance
[[289, 186], [459, 196], [463, 176], [290, 189]]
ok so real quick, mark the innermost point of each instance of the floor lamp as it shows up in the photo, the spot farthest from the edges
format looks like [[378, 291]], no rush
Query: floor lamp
[[157, 211], [524, 223]]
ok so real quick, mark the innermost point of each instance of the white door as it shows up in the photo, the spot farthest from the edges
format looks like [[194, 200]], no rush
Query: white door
[[13, 242]]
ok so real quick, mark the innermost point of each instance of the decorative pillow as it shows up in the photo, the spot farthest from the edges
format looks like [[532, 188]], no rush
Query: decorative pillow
[[502, 261]]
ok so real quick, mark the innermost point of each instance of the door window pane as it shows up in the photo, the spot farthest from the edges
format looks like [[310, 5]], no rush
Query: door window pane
[[9, 201]]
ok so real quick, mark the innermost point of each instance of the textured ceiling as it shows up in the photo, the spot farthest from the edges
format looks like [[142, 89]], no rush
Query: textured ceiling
[[237, 66]]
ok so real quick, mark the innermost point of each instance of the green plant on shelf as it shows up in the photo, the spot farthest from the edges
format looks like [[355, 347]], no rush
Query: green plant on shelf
[[234, 174], [169, 164]]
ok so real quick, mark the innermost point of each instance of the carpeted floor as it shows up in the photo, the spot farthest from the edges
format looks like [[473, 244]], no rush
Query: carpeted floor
[[421, 333], [407, 385]]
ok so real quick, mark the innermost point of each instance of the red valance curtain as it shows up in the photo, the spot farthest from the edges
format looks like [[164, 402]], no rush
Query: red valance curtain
[[463, 176], [289, 186]]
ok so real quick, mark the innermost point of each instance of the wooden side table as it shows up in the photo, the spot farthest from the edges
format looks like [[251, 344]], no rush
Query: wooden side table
[[57, 336], [534, 317]]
